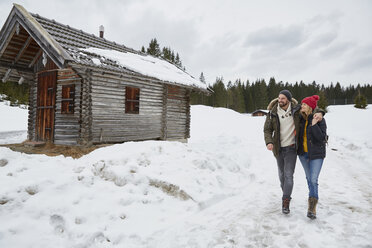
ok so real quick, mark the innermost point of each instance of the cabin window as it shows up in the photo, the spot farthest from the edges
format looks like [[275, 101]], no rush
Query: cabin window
[[68, 96], [132, 99]]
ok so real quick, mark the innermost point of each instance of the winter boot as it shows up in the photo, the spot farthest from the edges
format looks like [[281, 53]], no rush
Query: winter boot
[[285, 205], [311, 211]]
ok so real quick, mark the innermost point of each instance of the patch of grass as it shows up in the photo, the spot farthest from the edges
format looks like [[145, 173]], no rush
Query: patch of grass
[[53, 150]]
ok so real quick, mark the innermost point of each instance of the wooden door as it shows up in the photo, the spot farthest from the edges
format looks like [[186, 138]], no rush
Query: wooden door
[[46, 99]]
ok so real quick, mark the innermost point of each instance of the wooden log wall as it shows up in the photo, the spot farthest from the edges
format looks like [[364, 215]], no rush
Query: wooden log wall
[[99, 109], [67, 126], [86, 109], [188, 114], [178, 113], [110, 123], [164, 114], [32, 105]]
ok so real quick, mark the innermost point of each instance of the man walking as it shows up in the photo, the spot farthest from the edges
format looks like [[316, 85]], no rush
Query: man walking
[[281, 131]]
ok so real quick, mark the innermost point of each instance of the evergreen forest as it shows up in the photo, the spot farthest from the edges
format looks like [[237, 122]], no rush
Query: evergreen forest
[[246, 97]]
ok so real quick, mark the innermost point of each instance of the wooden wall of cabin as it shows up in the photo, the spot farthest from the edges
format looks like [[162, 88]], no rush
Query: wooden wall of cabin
[[32, 97], [110, 123], [66, 125], [86, 108], [178, 113]]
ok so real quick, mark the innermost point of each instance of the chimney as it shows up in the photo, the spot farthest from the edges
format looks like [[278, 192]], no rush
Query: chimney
[[101, 31]]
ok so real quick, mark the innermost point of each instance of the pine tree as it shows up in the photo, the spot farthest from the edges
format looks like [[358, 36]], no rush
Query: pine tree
[[331, 94], [229, 95], [154, 48], [360, 101], [314, 88], [143, 49], [260, 94], [238, 97], [166, 54], [220, 94], [177, 61], [254, 96], [248, 99], [272, 89], [323, 102], [338, 91], [251, 106], [296, 92]]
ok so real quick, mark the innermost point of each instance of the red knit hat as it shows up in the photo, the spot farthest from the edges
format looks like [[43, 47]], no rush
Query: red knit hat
[[311, 101]]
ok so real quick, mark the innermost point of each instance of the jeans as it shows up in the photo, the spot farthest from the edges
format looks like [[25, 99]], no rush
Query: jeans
[[312, 169], [286, 166]]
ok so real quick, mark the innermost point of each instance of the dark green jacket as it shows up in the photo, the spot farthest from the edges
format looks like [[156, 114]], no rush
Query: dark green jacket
[[272, 124]]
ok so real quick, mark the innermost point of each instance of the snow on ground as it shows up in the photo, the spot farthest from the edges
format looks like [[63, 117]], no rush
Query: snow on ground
[[219, 190], [13, 123]]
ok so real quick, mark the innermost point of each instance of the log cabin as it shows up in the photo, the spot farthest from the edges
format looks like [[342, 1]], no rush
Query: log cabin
[[87, 90]]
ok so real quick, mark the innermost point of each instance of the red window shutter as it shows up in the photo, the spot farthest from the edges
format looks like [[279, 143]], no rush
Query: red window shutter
[[132, 99], [68, 99]]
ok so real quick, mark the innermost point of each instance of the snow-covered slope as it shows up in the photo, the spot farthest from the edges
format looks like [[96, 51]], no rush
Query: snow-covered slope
[[219, 190]]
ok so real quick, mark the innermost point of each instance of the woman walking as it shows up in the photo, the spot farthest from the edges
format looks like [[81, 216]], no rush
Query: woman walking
[[312, 148]]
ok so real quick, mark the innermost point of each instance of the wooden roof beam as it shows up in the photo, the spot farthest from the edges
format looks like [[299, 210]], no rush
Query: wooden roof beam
[[17, 28], [5, 43], [38, 54], [16, 67], [6, 76], [23, 49]]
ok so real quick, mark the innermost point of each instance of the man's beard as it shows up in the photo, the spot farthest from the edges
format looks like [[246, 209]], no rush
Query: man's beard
[[283, 104]]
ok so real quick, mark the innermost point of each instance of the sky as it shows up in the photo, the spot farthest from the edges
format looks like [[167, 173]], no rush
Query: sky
[[290, 40]]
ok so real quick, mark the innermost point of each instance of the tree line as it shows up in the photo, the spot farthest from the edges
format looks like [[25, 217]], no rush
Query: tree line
[[246, 97]]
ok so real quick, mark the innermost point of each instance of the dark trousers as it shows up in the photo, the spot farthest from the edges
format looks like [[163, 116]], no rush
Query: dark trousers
[[286, 166]]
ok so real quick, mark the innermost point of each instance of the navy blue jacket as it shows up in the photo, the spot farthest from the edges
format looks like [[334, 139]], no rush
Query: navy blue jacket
[[316, 138]]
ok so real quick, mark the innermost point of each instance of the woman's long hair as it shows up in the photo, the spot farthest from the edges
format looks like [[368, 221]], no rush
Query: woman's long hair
[[306, 114]]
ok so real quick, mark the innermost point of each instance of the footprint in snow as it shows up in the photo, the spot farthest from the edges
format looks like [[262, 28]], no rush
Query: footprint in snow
[[4, 200], [3, 162], [58, 223], [32, 190]]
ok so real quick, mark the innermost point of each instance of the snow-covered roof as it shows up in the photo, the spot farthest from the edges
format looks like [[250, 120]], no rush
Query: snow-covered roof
[[145, 65]]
